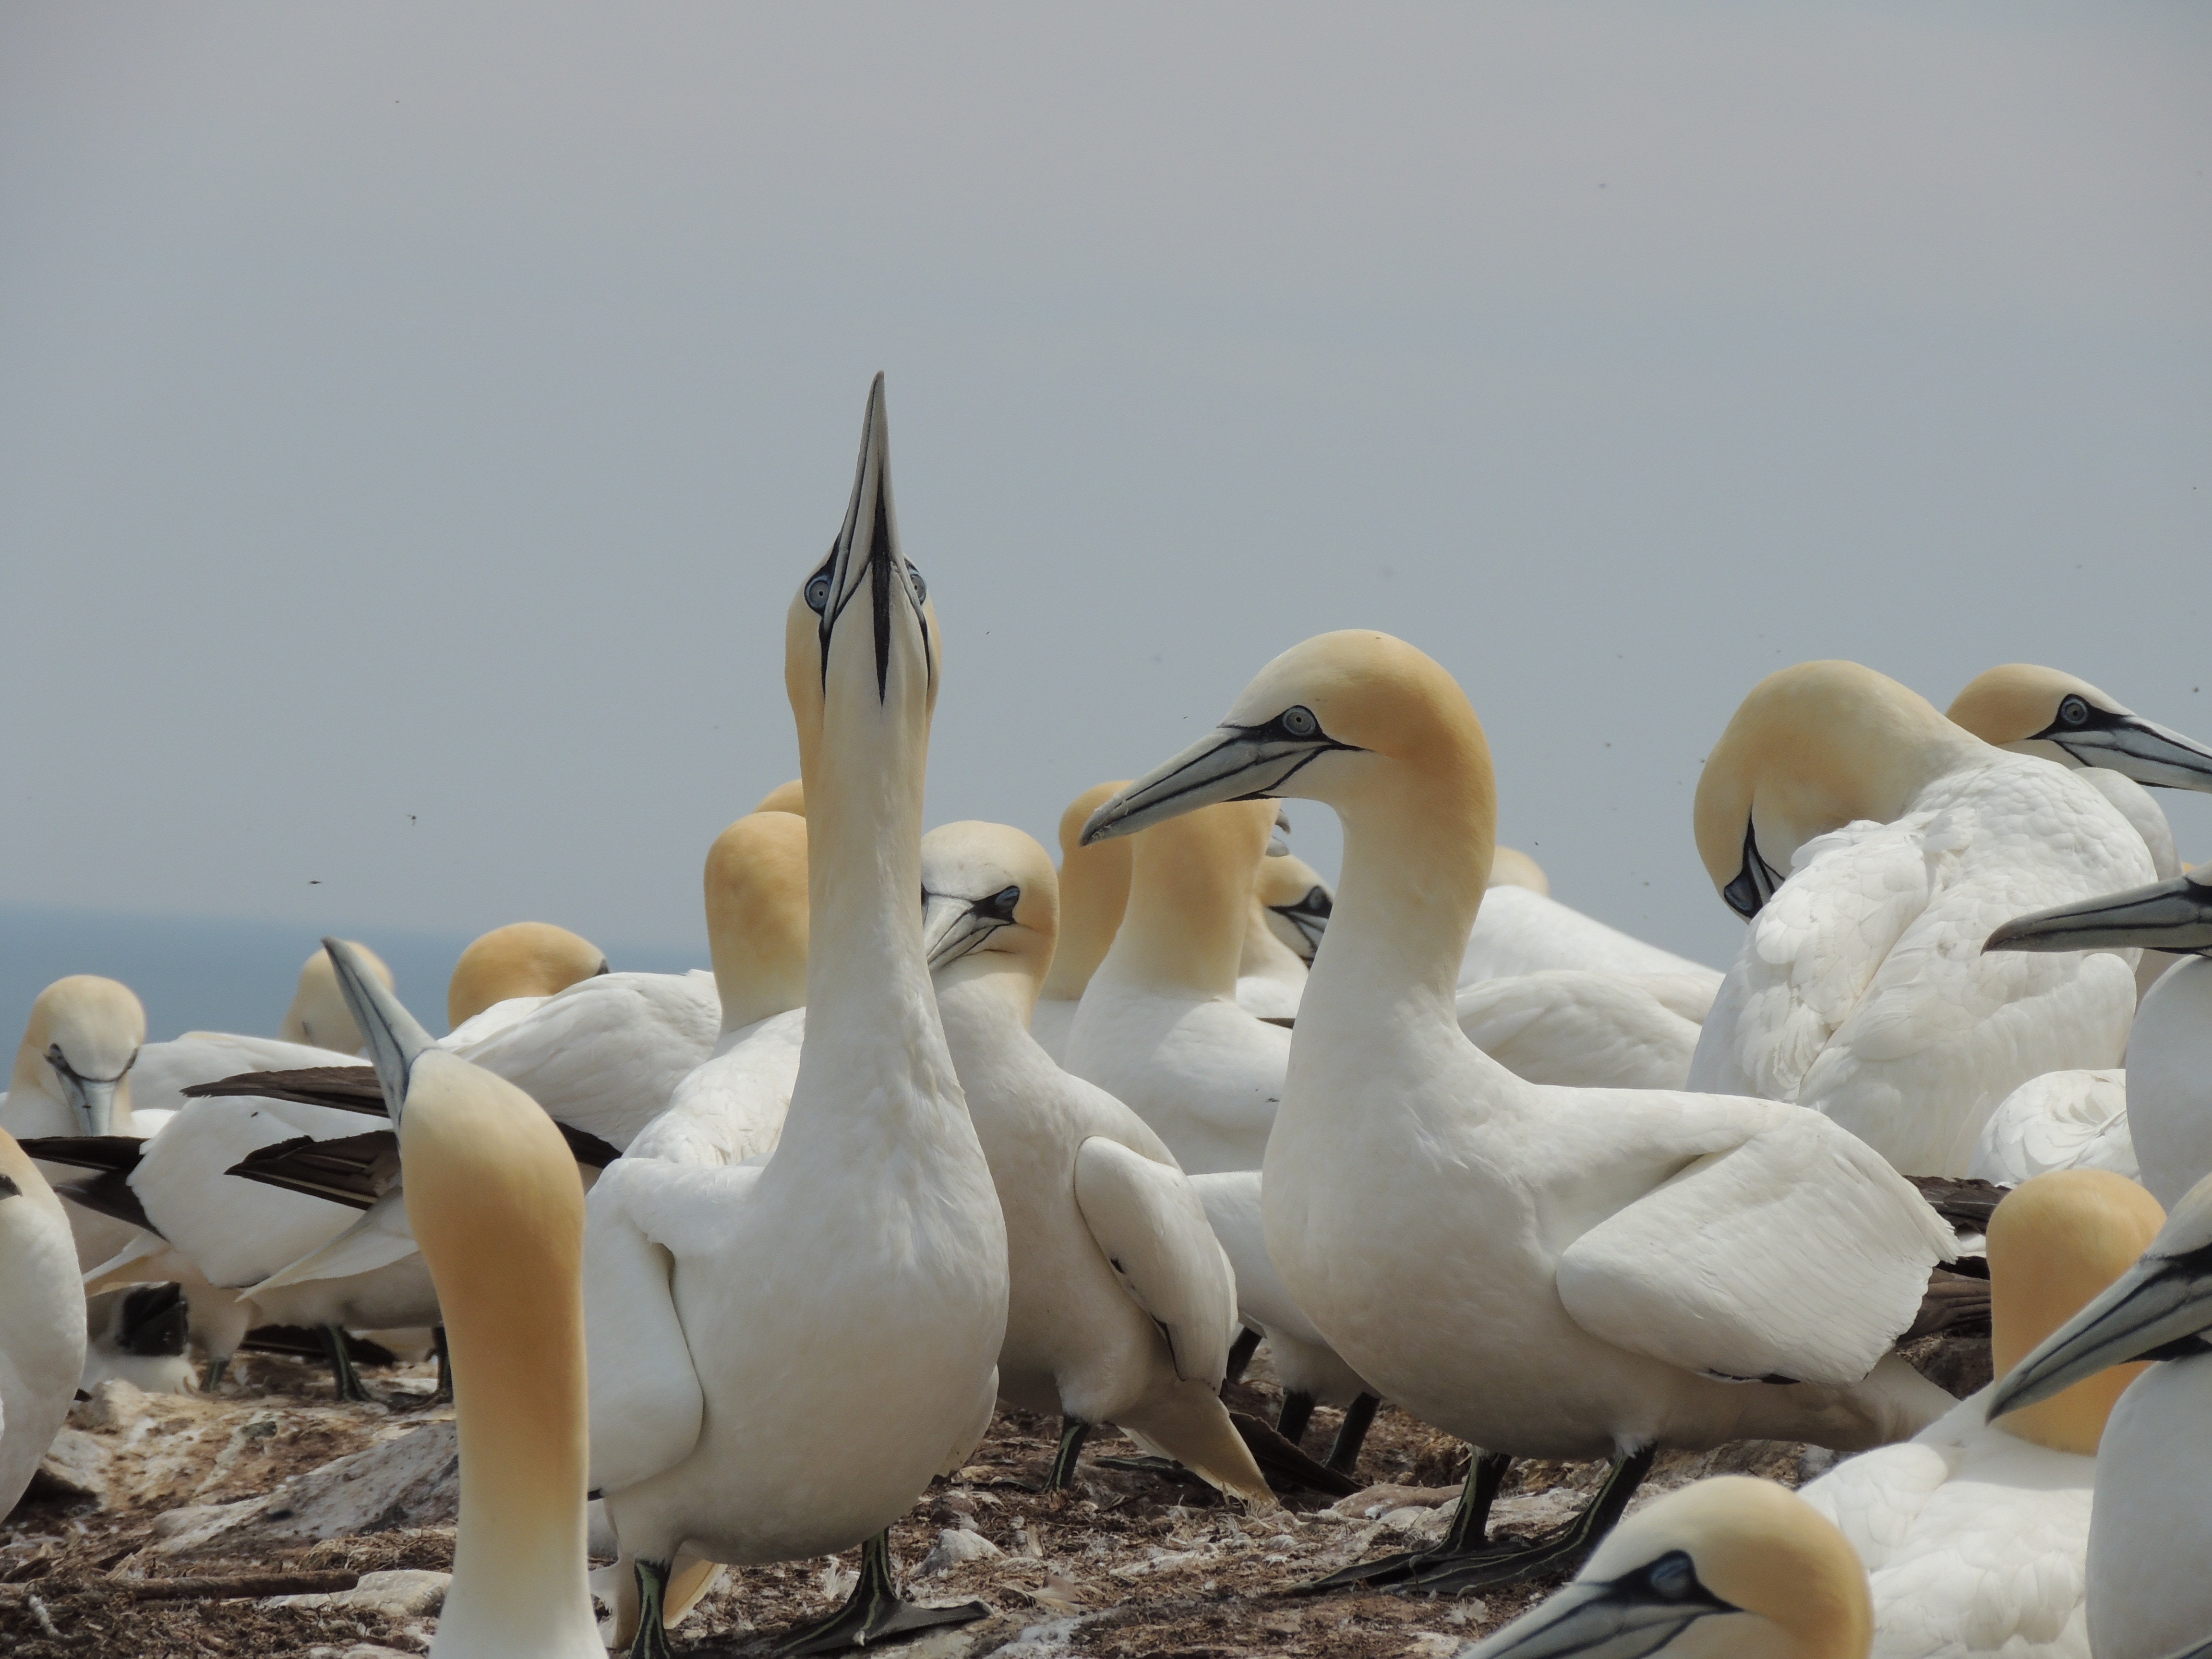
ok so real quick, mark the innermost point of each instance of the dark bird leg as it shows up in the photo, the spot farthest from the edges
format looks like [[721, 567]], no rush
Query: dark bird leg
[[650, 1641], [334, 1349], [1358, 1417], [1467, 1539], [1074, 1432], [1561, 1551], [1298, 1411], [444, 1394], [1240, 1355], [873, 1612]]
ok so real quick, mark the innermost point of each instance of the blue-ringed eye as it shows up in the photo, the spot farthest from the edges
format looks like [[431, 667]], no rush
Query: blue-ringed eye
[[1672, 1577], [1298, 721], [816, 590], [2073, 711], [920, 587]]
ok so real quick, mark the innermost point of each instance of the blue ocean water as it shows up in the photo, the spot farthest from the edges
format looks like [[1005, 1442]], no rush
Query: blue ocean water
[[199, 973]]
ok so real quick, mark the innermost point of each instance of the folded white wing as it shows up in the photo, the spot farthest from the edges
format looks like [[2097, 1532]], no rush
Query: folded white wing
[[380, 1237], [1788, 1250], [1152, 1229], [1580, 1028]]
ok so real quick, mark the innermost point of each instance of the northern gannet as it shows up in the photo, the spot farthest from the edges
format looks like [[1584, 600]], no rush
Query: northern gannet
[[2040, 711], [72, 1077], [41, 1319], [1730, 1568], [1521, 929], [783, 1355], [318, 1016], [1584, 1029], [2167, 1122], [1974, 1534], [1283, 925], [730, 1107], [1159, 1028], [1860, 990], [494, 1201], [2058, 1120], [515, 968], [2150, 1531], [1311, 1371], [1094, 891], [1121, 1307], [1545, 1272]]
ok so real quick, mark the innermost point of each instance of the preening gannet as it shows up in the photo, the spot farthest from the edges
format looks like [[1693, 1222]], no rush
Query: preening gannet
[[1308, 1368], [1861, 991], [1283, 925], [2043, 712], [1094, 891], [784, 1354], [318, 1017], [1160, 1028], [41, 1319], [732, 1106], [495, 1204], [1544, 1272], [2150, 1531], [1975, 1534], [524, 959], [72, 1078], [2168, 1123], [1120, 1305], [1730, 1568]]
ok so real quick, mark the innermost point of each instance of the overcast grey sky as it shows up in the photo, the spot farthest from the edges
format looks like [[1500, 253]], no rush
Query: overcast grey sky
[[414, 419]]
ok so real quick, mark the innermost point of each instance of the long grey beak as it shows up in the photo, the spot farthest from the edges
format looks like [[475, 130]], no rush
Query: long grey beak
[[1625, 1618], [2136, 748], [1230, 763], [2166, 915], [94, 1099], [952, 925], [2154, 1312], [867, 546], [394, 1040]]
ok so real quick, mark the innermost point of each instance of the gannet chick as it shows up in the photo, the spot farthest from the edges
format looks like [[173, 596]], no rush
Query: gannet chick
[[1545, 1272], [531, 960], [1730, 1568], [1094, 891], [1120, 1306], [784, 1354], [1975, 1534], [72, 1078], [1311, 1371], [1282, 927], [1159, 1027], [732, 1106], [317, 1017], [2167, 1124], [42, 1318], [1859, 991], [494, 1202], [139, 1335], [2042, 711], [2150, 1532]]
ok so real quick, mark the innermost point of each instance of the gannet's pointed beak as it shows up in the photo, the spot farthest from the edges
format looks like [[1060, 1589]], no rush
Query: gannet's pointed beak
[[2130, 745], [1230, 763], [867, 546], [1755, 880], [1626, 1617], [91, 1098], [2166, 915], [394, 1040], [2155, 1311], [952, 925]]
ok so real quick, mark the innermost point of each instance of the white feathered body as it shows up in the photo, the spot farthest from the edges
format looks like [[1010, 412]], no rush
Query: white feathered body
[[1203, 1072], [1520, 931], [1974, 1541], [732, 1106], [2150, 1534], [2059, 1120], [1861, 990], [1304, 1361], [42, 1328], [1580, 1027]]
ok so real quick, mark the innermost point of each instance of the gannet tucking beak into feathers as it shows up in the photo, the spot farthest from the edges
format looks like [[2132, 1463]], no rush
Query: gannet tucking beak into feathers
[[783, 1355], [1859, 991], [1545, 1272], [1094, 891], [495, 1206], [2150, 1531], [1730, 1568], [1121, 1308], [72, 1077]]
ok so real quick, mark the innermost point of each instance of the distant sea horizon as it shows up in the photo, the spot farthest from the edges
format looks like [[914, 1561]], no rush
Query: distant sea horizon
[[226, 974]]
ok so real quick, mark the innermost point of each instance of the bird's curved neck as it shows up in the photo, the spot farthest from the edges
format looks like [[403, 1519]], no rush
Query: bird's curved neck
[[1265, 957], [1417, 850], [1094, 893]]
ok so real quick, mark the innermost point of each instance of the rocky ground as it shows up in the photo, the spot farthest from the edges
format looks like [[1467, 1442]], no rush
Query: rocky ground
[[343, 1514]]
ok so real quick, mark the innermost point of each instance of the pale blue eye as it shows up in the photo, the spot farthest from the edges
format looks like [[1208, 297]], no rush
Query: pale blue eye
[[1299, 722]]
